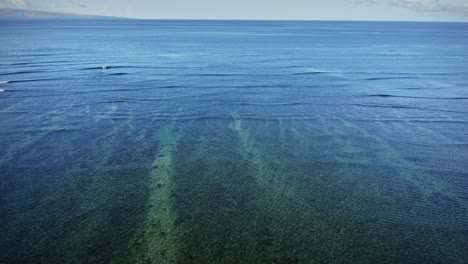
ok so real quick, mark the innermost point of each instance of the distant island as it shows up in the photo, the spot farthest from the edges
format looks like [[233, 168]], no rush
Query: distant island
[[23, 14]]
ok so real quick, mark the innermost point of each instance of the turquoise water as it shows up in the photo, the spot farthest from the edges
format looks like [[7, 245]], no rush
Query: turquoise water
[[233, 142]]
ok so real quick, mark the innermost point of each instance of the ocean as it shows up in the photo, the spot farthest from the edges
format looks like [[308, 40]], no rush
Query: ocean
[[179, 141]]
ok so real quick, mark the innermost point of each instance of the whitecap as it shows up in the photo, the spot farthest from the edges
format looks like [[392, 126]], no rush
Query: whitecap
[[315, 70], [307, 71], [1, 90], [4, 82]]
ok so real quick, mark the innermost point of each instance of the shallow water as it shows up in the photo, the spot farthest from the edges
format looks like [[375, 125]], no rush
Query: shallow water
[[233, 142]]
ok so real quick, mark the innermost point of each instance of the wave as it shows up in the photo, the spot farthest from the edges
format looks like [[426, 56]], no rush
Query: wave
[[214, 74], [279, 60], [271, 104], [119, 73], [411, 121], [311, 73], [286, 67], [162, 117], [129, 89], [30, 80], [384, 95], [385, 106], [251, 86], [105, 67], [2, 90], [4, 82], [406, 107], [391, 78], [406, 73], [20, 72], [16, 64], [33, 55], [416, 97]]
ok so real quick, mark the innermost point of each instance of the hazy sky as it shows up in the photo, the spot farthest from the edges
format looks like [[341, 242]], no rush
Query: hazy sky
[[445, 10]]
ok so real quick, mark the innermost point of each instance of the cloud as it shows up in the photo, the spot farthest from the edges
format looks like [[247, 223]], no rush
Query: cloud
[[65, 4], [20, 4], [419, 5], [430, 6], [433, 6], [46, 4], [357, 3]]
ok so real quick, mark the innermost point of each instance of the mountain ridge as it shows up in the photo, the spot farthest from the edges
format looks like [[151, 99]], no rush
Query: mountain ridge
[[27, 14]]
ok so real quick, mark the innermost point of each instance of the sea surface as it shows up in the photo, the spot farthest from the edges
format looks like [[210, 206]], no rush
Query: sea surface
[[283, 142]]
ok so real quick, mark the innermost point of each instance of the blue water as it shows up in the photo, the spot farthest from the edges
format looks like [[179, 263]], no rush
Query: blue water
[[233, 142]]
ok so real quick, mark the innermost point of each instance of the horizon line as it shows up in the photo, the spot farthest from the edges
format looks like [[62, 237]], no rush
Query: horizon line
[[110, 17]]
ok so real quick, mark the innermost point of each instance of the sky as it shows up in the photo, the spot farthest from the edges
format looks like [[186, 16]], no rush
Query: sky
[[405, 10]]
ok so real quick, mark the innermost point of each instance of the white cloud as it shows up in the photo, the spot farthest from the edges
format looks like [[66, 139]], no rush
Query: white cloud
[[64, 4], [430, 6], [364, 3], [20, 4], [419, 5]]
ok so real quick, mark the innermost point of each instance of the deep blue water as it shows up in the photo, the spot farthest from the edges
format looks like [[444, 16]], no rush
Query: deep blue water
[[233, 142]]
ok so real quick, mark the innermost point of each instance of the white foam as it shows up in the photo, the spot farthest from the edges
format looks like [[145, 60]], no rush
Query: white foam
[[1, 90], [315, 70], [4, 82], [104, 67]]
